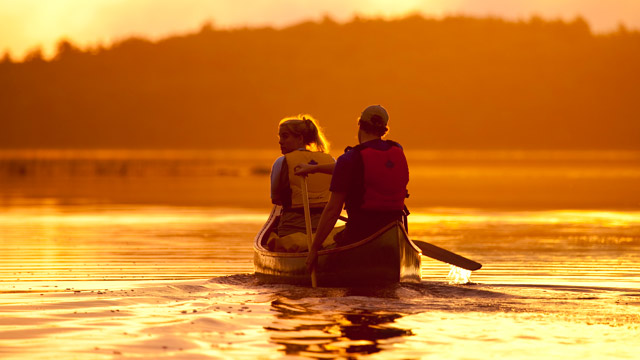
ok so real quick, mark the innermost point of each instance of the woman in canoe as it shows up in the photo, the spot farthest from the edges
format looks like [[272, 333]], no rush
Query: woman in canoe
[[301, 142]]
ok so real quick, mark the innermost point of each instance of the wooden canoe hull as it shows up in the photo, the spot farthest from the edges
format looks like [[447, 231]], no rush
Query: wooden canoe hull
[[386, 257]]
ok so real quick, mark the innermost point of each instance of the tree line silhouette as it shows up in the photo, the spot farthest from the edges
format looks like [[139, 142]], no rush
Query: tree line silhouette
[[457, 82]]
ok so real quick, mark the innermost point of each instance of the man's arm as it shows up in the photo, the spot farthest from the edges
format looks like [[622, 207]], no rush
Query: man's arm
[[327, 221], [303, 169]]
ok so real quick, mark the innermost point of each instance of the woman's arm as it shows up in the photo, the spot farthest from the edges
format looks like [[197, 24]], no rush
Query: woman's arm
[[276, 176]]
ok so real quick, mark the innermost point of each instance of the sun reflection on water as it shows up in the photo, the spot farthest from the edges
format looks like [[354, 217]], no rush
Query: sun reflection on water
[[465, 216]]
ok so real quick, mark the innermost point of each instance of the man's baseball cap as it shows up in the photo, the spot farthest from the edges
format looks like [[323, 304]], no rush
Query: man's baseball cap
[[375, 115]]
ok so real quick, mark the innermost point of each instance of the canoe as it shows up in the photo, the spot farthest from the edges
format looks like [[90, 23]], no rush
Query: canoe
[[386, 257]]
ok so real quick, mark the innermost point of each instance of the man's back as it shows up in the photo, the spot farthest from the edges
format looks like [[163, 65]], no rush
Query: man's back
[[374, 176]]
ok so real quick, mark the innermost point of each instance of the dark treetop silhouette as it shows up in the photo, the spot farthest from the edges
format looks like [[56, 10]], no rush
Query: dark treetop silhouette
[[455, 83]]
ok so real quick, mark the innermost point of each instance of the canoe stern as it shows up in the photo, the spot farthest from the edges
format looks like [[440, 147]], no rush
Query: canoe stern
[[383, 258]]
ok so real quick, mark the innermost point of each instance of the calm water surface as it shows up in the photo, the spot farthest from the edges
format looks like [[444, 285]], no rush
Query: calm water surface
[[175, 282], [106, 266]]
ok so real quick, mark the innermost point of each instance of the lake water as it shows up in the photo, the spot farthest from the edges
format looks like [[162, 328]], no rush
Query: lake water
[[146, 254]]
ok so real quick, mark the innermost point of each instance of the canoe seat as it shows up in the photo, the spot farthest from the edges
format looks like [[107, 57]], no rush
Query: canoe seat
[[297, 242]]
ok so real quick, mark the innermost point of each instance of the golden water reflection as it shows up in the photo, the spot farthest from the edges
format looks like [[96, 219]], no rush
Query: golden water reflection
[[550, 217], [114, 242], [149, 255], [306, 332]]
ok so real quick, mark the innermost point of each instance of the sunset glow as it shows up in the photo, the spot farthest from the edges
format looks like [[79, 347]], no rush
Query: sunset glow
[[147, 209], [29, 24]]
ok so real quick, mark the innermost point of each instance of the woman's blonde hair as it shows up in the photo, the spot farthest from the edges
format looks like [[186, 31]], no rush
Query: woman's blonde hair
[[311, 132]]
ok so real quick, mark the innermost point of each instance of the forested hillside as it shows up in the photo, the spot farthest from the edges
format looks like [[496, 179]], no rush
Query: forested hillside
[[451, 83]]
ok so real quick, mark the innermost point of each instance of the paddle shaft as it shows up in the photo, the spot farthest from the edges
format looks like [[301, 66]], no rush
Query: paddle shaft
[[441, 254], [307, 221]]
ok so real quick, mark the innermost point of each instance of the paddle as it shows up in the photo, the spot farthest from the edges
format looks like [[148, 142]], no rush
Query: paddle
[[447, 256], [441, 254], [307, 221]]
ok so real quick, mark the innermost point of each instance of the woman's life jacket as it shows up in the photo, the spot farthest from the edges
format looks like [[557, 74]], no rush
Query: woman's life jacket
[[381, 179], [317, 184]]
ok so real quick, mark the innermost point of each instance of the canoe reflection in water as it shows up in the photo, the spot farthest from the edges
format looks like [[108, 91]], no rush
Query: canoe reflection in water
[[343, 335]]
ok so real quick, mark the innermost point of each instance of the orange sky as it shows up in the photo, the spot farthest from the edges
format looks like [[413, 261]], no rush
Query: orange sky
[[26, 24]]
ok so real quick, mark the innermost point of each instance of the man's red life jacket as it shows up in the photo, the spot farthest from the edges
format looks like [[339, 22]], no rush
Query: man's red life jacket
[[385, 175]]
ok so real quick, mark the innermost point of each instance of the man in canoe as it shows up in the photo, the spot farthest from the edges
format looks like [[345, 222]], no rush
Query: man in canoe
[[369, 181], [301, 142]]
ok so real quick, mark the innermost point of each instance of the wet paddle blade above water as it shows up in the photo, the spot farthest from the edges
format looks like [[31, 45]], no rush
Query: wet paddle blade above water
[[446, 256]]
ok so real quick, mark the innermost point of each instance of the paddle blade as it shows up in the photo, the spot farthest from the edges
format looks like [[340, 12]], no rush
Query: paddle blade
[[446, 256]]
